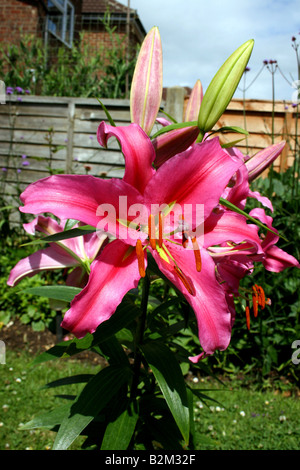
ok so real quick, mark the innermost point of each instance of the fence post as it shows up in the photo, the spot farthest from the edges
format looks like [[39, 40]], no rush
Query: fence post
[[175, 102], [71, 116]]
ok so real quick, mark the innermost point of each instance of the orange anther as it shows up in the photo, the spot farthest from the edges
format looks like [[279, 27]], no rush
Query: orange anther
[[140, 257], [151, 231], [248, 317], [160, 229], [261, 297], [255, 300], [184, 280], [197, 254]]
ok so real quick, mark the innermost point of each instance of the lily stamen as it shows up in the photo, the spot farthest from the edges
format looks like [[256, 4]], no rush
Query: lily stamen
[[197, 254], [140, 257], [160, 229], [151, 231], [255, 300], [248, 317], [261, 297], [184, 280]]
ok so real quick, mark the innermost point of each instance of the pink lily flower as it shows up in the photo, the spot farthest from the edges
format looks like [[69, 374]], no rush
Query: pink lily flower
[[275, 259], [199, 176], [75, 253], [238, 189]]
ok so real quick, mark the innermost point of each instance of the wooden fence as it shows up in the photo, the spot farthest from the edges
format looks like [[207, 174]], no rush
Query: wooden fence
[[43, 134], [265, 125]]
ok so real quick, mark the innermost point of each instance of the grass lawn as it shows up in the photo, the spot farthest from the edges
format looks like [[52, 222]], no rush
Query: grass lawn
[[243, 418], [240, 418]]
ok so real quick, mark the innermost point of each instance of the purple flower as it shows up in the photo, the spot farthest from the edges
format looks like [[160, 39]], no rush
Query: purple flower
[[19, 170], [25, 163], [9, 90], [4, 169], [19, 89], [27, 92], [23, 156], [19, 98]]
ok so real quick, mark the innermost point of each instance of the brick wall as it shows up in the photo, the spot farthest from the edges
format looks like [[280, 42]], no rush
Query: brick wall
[[18, 18]]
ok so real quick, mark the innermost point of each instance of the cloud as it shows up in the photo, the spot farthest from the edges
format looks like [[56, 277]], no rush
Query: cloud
[[198, 37]]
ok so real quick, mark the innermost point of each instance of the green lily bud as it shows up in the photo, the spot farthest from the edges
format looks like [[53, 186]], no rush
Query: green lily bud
[[222, 87], [146, 87]]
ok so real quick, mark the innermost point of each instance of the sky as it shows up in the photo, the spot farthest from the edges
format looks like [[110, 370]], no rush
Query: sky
[[199, 35]]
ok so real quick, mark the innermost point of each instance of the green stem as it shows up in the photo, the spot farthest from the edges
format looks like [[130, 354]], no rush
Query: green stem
[[273, 133], [139, 336]]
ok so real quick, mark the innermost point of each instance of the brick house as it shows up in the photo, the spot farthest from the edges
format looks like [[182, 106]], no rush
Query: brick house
[[61, 21]]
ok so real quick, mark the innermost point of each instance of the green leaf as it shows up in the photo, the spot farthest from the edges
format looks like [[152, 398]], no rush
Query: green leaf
[[48, 420], [119, 432], [112, 349], [72, 233], [126, 312], [171, 382], [231, 144], [234, 208], [226, 129], [74, 379], [70, 224], [92, 400], [63, 293], [168, 116], [174, 126], [110, 119]]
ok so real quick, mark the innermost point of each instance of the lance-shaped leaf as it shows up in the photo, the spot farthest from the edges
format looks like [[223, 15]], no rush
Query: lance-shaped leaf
[[146, 87], [222, 87], [194, 103], [91, 401], [171, 382]]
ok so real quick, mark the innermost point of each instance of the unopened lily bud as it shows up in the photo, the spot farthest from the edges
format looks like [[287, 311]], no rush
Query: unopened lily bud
[[146, 87], [194, 103], [223, 86], [262, 159]]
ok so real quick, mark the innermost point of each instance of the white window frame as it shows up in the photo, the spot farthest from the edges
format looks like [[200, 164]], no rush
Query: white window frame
[[63, 6]]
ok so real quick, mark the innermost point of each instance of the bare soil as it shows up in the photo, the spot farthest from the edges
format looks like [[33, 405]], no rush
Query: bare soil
[[19, 337]]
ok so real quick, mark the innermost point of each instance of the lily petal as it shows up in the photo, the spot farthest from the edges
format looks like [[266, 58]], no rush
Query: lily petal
[[191, 176], [173, 142], [49, 258], [275, 259], [98, 206], [113, 274], [230, 227], [208, 299], [137, 150]]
